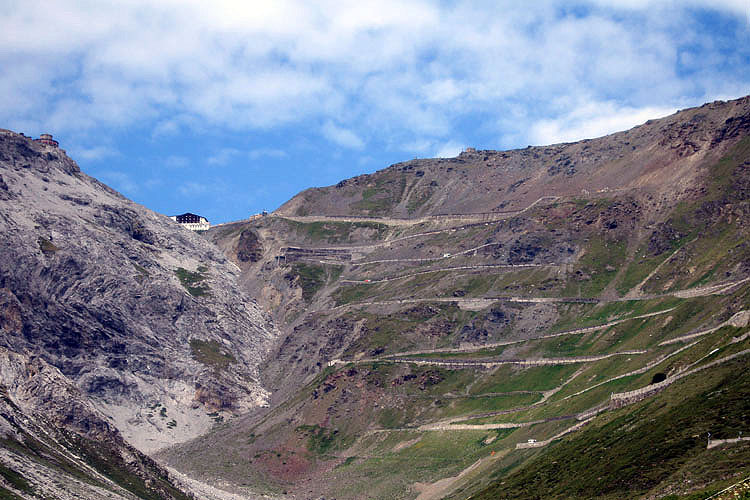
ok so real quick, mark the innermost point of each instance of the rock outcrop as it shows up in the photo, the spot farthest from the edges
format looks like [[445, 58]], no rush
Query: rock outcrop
[[143, 317], [55, 444]]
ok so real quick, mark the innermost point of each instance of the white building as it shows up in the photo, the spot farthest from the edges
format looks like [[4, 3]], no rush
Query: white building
[[192, 221]]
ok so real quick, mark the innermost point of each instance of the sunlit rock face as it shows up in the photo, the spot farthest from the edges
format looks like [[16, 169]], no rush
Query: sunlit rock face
[[144, 317]]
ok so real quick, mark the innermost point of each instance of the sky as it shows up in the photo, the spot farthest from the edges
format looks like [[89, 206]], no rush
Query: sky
[[227, 108]]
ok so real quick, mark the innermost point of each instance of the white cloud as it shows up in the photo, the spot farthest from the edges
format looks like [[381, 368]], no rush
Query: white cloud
[[95, 153], [342, 136], [593, 119], [381, 70], [226, 156], [165, 128], [120, 181], [736, 6], [425, 147], [192, 188], [365, 160], [223, 156], [449, 150], [418, 146], [153, 183], [176, 161], [267, 153]]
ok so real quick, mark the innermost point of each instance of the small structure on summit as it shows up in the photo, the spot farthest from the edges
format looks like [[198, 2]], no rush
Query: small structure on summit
[[47, 140], [192, 221]]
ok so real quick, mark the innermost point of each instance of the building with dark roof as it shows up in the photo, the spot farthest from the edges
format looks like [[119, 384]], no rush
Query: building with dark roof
[[192, 221]]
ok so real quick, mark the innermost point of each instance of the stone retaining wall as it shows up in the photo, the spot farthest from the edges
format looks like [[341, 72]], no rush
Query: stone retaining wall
[[713, 443], [618, 400], [293, 254]]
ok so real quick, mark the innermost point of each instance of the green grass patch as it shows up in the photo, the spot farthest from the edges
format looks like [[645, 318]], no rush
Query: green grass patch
[[634, 450], [380, 198], [538, 378], [211, 353], [381, 473], [638, 269], [418, 200], [109, 461], [15, 479], [46, 246], [408, 328], [474, 405], [321, 440], [348, 294], [719, 249], [6, 494], [492, 352], [313, 277], [143, 273], [48, 457], [192, 281], [597, 268], [715, 242], [338, 232]]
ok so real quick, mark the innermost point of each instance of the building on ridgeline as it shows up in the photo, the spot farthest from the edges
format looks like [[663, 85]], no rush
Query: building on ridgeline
[[192, 221], [47, 140]]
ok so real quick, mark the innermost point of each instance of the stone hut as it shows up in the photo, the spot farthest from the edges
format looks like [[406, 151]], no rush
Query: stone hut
[[48, 140]]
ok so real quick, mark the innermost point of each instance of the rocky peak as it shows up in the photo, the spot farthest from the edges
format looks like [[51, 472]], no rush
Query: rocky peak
[[144, 317]]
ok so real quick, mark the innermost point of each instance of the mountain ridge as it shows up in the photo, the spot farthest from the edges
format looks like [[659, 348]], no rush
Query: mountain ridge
[[645, 149], [482, 319], [444, 312]]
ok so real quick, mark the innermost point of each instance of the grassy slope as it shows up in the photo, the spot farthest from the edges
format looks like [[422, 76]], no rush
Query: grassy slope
[[640, 449], [325, 424]]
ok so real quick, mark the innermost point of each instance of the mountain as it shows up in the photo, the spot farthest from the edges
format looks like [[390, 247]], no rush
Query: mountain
[[564, 321], [120, 333], [661, 155]]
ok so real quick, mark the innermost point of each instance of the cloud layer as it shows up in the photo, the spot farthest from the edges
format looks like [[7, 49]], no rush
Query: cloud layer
[[371, 71], [225, 107]]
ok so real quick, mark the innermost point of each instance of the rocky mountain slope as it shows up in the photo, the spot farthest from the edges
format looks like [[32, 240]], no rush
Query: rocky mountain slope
[[116, 326], [457, 324], [660, 154], [55, 444]]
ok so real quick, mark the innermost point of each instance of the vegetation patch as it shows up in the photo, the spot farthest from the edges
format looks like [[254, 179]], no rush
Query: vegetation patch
[[143, 274], [192, 281], [6, 494], [596, 268], [417, 200], [638, 447], [322, 440], [46, 246], [538, 378], [47, 457], [211, 353], [380, 198], [353, 293], [111, 463], [338, 232], [15, 479], [312, 277], [382, 334], [389, 474]]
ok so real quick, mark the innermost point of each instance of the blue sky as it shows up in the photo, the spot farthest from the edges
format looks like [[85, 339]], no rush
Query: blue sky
[[228, 108]]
